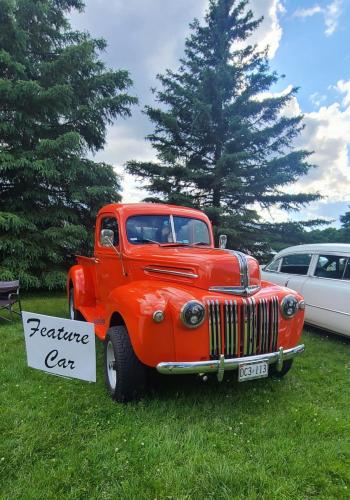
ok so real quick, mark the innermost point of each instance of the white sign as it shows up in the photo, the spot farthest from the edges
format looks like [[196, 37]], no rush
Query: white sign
[[60, 346]]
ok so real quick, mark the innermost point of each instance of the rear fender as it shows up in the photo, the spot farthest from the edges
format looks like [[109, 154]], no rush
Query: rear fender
[[82, 279]]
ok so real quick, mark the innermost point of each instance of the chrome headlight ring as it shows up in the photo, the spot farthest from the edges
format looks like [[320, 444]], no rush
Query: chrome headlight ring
[[289, 306], [192, 314]]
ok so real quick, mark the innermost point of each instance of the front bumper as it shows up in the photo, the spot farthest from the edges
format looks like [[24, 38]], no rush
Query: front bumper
[[222, 364]]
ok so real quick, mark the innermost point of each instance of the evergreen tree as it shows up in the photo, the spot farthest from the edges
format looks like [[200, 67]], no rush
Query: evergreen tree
[[56, 98], [345, 220], [222, 146], [345, 227]]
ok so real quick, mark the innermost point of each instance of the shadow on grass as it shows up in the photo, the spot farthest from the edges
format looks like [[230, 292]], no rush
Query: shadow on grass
[[326, 334]]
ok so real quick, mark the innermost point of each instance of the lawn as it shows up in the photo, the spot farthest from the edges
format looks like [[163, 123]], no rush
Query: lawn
[[188, 439]]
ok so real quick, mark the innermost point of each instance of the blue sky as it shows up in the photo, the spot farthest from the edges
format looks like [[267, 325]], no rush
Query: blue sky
[[308, 56], [309, 43]]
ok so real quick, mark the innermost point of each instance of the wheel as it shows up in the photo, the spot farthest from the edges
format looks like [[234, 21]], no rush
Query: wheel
[[125, 375], [287, 365], [74, 313]]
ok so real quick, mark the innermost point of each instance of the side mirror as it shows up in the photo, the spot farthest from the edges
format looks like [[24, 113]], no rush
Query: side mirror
[[106, 237], [222, 240]]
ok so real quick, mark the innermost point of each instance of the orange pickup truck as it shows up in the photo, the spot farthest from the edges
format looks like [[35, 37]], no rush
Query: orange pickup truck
[[162, 296]]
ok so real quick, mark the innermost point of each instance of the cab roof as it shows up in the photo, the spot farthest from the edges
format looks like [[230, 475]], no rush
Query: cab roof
[[128, 209]]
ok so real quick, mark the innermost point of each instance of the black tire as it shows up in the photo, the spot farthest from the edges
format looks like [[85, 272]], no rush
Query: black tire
[[73, 313], [130, 373], [287, 365]]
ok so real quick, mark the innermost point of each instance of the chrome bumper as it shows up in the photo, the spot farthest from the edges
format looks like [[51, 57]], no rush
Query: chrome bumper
[[221, 365]]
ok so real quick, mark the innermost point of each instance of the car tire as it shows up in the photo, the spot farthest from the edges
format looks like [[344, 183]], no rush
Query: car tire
[[287, 365], [125, 375], [73, 313]]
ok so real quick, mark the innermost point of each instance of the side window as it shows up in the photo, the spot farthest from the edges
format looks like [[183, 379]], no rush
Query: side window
[[346, 275], [331, 266], [110, 223], [273, 266], [297, 263]]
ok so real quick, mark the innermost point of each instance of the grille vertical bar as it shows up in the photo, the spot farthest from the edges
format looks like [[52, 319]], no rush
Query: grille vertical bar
[[243, 329]]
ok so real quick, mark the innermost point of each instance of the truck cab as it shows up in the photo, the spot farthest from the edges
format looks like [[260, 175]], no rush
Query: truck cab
[[161, 296]]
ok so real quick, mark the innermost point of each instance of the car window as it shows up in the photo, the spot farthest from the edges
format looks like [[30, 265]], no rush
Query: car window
[[330, 266], [142, 229], [112, 224], [297, 263], [273, 266], [346, 275], [191, 230]]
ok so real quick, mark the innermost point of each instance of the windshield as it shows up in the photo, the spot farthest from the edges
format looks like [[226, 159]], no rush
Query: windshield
[[166, 229]]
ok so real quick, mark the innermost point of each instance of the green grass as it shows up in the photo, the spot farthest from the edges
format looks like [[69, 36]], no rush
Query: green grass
[[264, 439]]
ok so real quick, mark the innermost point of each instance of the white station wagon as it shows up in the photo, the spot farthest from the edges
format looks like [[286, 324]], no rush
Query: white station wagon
[[321, 273]]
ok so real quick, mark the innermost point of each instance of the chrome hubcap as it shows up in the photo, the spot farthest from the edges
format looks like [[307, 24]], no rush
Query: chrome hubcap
[[71, 307], [111, 366]]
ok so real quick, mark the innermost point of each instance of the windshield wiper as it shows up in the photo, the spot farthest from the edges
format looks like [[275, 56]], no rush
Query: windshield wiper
[[182, 244], [145, 240], [175, 244]]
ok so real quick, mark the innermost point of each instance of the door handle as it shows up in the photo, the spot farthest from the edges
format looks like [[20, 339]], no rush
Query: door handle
[[97, 260]]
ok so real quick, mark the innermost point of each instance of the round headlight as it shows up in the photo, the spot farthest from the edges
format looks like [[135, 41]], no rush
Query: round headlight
[[192, 314], [289, 306]]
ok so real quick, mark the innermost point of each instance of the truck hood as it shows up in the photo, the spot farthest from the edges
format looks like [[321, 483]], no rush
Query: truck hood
[[205, 268]]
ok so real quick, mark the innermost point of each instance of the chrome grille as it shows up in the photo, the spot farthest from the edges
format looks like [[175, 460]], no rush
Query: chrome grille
[[242, 328]]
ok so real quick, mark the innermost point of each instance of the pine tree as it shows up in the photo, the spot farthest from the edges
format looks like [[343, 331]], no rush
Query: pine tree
[[56, 99], [345, 220], [221, 145]]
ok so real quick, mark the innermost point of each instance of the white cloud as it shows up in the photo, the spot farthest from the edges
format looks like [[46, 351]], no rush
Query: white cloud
[[317, 99], [311, 11], [327, 133], [330, 12], [344, 88], [270, 31]]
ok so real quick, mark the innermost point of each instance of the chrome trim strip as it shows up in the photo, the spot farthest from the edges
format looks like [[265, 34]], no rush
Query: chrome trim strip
[[213, 366], [227, 329], [244, 326], [214, 328], [276, 323], [326, 309], [169, 271], [218, 325], [172, 228], [254, 327], [243, 267], [236, 290], [210, 328], [263, 325], [237, 332]]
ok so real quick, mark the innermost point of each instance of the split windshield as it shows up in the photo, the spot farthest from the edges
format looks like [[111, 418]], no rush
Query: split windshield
[[166, 229]]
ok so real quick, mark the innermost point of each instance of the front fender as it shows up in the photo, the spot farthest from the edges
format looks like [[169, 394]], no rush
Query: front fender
[[136, 302]]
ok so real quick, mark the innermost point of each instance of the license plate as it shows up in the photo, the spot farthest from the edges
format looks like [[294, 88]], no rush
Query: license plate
[[251, 371]]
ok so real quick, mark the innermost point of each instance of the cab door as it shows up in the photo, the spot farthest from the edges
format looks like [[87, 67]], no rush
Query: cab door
[[109, 268]]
